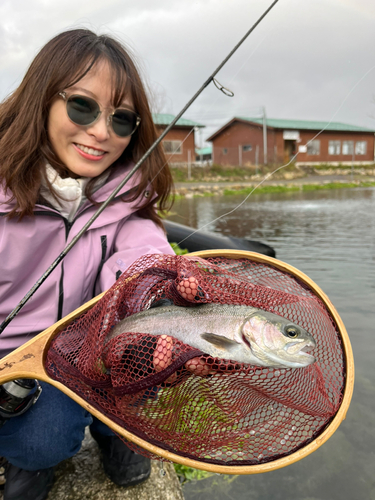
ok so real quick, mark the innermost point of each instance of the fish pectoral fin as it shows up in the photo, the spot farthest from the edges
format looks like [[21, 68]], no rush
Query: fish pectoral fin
[[219, 341]]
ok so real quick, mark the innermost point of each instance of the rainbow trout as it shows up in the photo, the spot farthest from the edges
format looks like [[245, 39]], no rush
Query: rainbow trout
[[239, 333]]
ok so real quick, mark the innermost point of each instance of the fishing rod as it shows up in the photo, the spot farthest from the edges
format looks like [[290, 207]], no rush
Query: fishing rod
[[67, 249]]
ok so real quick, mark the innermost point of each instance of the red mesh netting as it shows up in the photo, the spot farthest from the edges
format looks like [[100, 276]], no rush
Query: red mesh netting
[[184, 401]]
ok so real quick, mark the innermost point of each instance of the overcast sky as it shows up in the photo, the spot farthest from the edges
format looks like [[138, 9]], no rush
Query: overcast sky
[[308, 59]]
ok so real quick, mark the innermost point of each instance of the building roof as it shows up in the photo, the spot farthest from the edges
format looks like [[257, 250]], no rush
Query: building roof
[[165, 119], [308, 125], [296, 125]]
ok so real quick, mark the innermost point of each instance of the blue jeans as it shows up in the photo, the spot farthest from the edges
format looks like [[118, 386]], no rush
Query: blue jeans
[[52, 430]]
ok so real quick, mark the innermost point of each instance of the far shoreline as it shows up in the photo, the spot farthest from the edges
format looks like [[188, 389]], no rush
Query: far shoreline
[[322, 180]]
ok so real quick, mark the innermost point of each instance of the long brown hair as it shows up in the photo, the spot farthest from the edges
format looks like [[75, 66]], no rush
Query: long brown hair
[[24, 143]]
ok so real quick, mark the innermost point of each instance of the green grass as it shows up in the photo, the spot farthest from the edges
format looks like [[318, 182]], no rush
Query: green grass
[[303, 187], [186, 473], [213, 172], [219, 170], [219, 173], [178, 250], [336, 185], [262, 190]]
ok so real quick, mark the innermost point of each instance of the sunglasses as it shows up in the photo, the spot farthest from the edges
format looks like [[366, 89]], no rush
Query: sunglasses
[[85, 111]]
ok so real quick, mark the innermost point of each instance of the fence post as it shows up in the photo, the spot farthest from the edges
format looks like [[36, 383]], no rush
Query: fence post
[[189, 164], [265, 147]]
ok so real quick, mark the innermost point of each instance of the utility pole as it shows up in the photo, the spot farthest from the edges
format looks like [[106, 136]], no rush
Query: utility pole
[[197, 129], [264, 136]]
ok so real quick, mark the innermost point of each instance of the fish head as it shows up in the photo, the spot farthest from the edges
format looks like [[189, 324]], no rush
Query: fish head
[[277, 342]]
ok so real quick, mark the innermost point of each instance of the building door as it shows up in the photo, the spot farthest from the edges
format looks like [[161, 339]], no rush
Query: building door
[[290, 149], [291, 137]]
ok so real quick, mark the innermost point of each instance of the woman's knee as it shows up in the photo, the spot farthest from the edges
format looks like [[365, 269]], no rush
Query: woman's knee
[[49, 432]]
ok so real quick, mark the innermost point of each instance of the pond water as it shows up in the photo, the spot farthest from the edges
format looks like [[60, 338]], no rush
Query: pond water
[[330, 236]]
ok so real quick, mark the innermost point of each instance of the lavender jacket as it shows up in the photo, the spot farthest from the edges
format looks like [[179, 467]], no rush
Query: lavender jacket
[[27, 248]]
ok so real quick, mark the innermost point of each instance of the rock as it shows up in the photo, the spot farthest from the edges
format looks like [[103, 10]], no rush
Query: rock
[[82, 478]]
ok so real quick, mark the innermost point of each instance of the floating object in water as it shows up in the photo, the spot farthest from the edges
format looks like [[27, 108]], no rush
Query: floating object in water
[[195, 241]]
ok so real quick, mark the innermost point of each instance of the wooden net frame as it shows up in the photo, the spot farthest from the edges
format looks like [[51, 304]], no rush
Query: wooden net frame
[[28, 361]]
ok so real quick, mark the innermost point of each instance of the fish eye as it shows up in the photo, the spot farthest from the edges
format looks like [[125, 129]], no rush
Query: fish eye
[[292, 332]]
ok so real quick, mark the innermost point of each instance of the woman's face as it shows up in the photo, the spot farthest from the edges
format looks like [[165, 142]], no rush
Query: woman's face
[[74, 144]]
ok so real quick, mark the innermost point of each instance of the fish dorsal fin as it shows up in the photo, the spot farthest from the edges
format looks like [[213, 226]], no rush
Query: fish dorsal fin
[[219, 341]]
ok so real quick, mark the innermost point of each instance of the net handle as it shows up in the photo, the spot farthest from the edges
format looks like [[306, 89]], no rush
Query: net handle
[[28, 362]]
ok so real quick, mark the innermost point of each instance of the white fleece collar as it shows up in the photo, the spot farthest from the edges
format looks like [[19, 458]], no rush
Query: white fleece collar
[[70, 192]]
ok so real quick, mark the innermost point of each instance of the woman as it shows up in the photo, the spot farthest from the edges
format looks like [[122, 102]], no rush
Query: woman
[[68, 135]]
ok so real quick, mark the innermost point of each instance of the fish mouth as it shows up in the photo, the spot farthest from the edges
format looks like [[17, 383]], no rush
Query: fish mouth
[[297, 349]]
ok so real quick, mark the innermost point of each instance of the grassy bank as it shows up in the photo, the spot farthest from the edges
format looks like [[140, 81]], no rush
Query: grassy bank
[[326, 166], [219, 173], [302, 187]]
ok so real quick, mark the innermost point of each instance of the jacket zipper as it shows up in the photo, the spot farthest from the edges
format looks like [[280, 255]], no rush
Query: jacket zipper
[[103, 240]]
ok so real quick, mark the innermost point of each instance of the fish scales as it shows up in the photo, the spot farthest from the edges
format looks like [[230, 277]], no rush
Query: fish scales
[[234, 332]]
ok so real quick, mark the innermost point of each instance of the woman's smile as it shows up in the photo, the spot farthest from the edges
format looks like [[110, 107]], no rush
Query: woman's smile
[[89, 152]]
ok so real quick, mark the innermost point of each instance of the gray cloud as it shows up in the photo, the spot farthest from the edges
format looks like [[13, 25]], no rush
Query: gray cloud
[[303, 61]]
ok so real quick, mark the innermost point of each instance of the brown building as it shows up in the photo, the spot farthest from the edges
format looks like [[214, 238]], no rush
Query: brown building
[[179, 143], [241, 142]]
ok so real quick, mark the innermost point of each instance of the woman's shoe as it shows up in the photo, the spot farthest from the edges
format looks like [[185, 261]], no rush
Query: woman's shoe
[[22, 484], [122, 466]]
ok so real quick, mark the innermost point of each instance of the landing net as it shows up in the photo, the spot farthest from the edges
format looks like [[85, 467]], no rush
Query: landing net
[[184, 401]]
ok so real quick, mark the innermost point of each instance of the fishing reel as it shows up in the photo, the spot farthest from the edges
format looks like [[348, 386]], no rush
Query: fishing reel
[[17, 396]]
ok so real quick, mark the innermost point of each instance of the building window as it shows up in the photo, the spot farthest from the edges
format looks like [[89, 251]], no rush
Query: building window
[[247, 147], [334, 147], [313, 147], [172, 147], [361, 148], [347, 147], [225, 151]]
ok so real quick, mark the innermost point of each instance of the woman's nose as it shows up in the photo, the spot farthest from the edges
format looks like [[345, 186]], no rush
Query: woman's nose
[[100, 129]]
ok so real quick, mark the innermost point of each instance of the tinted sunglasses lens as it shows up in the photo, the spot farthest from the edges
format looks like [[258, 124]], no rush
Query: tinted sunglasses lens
[[124, 122], [82, 110]]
